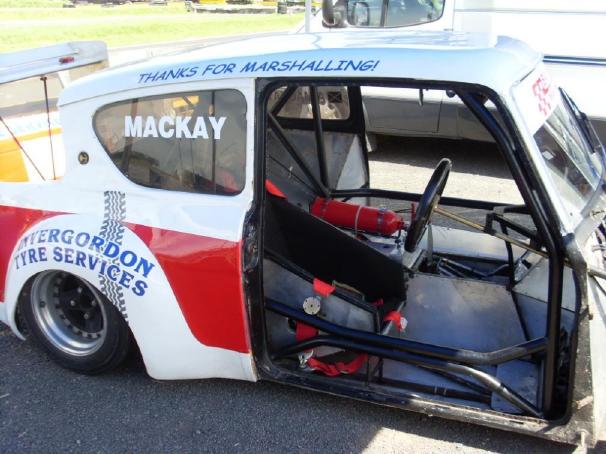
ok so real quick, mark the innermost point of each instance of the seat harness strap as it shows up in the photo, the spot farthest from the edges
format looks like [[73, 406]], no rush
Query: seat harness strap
[[338, 368], [304, 332]]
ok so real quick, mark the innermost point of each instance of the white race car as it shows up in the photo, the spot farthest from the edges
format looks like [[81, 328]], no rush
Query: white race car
[[217, 211]]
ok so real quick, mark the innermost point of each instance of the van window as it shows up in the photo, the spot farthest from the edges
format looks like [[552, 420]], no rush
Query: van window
[[393, 13], [192, 142]]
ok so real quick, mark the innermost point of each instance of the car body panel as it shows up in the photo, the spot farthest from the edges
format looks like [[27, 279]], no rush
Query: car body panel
[[171, 229]]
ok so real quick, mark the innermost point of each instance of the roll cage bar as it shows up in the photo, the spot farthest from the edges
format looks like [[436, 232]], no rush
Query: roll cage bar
[[431, 357]]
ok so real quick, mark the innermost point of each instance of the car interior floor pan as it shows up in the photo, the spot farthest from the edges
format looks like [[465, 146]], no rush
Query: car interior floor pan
[[459, 313]]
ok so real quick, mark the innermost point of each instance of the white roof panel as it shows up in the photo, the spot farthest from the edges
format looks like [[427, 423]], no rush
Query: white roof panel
[[494, 61]]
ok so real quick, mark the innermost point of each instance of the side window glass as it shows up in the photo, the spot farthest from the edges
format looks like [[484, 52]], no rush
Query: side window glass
[[192, 142]]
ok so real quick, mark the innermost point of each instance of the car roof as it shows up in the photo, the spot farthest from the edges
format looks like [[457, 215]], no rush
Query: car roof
[[493, 61]]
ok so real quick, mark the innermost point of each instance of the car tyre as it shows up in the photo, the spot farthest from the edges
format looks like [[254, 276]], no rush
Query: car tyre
[[74, 323]]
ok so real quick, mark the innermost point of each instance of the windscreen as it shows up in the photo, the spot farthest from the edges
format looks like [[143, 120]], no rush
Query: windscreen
[[573, 167], [576, 172]]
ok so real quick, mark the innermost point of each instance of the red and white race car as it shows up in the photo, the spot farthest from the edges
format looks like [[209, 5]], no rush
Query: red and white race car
[[217, 211]]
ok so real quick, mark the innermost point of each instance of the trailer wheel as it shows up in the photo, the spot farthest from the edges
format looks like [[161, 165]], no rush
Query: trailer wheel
[[78, 327]]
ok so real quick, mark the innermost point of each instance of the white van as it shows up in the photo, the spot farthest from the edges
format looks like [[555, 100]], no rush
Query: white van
[[566, 32]]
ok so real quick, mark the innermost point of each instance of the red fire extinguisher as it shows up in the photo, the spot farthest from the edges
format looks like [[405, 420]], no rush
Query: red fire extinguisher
[[357, 217]]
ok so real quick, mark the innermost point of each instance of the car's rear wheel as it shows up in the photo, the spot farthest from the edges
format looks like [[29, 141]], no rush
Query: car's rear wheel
[[70, 319]]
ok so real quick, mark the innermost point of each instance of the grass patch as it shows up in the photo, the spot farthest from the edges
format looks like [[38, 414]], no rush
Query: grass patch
[[31, 3], [23, 28], [53, 11]]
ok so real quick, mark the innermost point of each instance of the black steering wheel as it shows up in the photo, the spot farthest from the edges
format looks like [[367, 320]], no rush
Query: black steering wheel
[[428, 202]]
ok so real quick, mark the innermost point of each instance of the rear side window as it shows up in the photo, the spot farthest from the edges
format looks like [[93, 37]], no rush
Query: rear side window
[[192, 142]]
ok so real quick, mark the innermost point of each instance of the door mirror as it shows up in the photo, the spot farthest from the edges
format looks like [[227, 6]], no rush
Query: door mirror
[[360, 14], [328, 13], [334, 15]]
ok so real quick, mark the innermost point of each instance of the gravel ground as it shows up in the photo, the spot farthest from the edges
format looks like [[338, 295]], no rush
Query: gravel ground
[[44, 408], [477, 172]]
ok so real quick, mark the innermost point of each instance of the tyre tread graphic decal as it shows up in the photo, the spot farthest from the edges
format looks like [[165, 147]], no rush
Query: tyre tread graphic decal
[[112, 230]]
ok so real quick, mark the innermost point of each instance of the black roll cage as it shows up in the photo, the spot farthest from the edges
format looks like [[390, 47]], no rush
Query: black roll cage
[[537, 204]]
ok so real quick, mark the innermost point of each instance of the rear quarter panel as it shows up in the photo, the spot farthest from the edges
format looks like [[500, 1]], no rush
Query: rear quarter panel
[[186, 306]]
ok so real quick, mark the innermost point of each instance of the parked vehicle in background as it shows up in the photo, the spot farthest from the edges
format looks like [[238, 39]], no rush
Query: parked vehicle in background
[[31, 145], [568, 33]]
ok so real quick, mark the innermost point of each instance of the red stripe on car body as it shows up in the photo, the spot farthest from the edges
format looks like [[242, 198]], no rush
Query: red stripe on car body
[[204, 274], [14, 221]]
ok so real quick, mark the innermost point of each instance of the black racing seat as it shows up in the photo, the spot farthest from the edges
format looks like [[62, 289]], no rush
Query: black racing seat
[[330, 254]]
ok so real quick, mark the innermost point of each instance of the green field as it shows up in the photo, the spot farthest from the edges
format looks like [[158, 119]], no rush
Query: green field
[[43, 22]]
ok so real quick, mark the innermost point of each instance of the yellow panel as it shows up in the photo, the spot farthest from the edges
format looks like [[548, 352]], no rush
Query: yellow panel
[[181, 107], [12, 167]]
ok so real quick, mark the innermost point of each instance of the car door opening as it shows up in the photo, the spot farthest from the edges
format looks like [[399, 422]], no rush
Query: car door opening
[[385, 287]]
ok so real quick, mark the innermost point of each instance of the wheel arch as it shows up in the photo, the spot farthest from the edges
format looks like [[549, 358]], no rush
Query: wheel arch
[[22, 269], [18, 286], [138, 288]]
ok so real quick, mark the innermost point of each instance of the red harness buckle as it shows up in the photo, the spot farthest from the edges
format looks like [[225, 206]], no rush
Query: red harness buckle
[[338, 368], [396, 317], [322, 288]]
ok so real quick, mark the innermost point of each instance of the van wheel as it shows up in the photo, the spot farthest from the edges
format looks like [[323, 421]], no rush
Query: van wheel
[[70, 319]]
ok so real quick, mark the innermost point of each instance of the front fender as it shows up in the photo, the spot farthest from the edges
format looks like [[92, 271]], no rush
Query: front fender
[[112, 258]]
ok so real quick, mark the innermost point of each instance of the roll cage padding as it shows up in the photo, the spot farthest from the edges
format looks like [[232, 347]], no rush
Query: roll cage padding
[[330, 254], [344, 294]]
